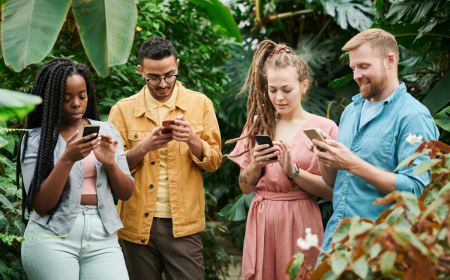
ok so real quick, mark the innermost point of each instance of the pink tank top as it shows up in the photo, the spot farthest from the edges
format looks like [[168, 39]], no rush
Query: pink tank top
[[90, 175]]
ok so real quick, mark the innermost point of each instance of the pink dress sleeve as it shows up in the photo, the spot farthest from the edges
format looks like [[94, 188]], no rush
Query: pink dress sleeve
[[242, 160], [333, 132]]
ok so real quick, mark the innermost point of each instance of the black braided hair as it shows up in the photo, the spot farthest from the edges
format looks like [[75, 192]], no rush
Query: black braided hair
[[50, 85]]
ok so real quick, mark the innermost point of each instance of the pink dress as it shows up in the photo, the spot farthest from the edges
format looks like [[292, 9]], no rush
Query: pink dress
[[281, 210]]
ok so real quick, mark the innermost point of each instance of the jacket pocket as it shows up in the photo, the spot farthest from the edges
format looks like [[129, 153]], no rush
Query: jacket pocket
[[134, 137]]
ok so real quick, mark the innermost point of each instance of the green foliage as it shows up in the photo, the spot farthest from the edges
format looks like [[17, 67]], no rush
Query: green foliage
[[443, 119], [356, 13], [16, 104], [409, 240], [107, 39], [11, 225], [220, 16]]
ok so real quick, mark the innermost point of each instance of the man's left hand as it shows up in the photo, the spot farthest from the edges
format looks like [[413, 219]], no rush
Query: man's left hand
[[334, 154], [182, 131]]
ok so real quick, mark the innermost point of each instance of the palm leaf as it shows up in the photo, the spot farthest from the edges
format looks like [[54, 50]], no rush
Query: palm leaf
[[359, 14]]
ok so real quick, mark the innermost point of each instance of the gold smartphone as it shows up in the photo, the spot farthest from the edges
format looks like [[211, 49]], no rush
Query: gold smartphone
[[312, 133]]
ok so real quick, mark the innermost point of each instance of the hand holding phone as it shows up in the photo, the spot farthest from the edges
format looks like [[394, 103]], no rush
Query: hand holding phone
[[312, 133], [265, 139], [167, 127], [89, 129]]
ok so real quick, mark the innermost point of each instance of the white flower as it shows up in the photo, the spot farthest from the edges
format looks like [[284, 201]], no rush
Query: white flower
[[138, 28], [310, 240], [411, 139]]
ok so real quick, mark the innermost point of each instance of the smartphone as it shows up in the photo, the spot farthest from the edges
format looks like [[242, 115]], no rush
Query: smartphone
[[166, 125], [265, 139], [312, 133], [89, 129]]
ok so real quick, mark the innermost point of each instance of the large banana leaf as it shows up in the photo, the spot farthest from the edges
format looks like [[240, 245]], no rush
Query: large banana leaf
[[443, 119], [16, 104], [358, 14], [107, 30], [29, 30], [220, 16], [439, 95]]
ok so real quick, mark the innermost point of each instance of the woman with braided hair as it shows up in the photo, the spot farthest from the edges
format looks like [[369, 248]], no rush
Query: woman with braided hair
[[283, 205], [69, 180]]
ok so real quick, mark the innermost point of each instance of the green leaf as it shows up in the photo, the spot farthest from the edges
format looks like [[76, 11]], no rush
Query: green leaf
[[360, 267], [316, 51], [407, 160], [392, 218], [16, 104], [5, 203], [359, 228], [106, 31], [387, 262], [19, 225], [3, 220], [443, 119], [295, 266], [221, 17], [342, 231], [338, 264], [356, 13], [30, 29], [424, 166], [411, 202], [439, 95], [8, 162], [341, 81], [237, 211], [375, 250], [410, 11], [3, 142]]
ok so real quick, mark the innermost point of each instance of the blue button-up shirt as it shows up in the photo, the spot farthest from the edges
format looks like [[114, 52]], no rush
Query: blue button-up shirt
[[382, 143]]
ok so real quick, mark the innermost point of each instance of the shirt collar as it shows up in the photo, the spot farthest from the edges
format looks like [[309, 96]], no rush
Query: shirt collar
[[180, 101], [152, 103]]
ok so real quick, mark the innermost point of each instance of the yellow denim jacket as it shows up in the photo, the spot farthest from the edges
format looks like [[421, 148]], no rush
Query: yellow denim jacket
[[133, 121]]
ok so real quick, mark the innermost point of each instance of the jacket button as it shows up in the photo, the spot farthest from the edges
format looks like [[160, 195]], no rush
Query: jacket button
[[135, 136], [100, 206], [146, 214], [151, 186], [143, 240], [99, 185], [153, 163]]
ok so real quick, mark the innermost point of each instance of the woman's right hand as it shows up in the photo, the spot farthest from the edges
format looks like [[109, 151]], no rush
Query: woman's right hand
[[76, 149], [262, 155]]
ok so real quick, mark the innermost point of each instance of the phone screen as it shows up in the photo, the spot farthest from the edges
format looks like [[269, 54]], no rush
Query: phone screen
[[265, 139], [89, 129]]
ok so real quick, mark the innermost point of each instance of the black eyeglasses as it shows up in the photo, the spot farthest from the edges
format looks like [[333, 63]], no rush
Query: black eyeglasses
[[156, 81]]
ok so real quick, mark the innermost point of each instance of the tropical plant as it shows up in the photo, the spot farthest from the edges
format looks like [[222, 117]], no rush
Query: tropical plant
[[410, 240], [30, 29]]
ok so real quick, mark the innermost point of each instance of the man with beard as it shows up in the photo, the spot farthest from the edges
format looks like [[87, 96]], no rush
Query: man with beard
[[165, 214], [372, 136]]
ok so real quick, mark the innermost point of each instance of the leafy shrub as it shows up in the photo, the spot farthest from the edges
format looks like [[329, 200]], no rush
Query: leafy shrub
[[410, 240]]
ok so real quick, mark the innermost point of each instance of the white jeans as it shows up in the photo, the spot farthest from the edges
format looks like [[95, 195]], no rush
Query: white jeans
[[89, 252]]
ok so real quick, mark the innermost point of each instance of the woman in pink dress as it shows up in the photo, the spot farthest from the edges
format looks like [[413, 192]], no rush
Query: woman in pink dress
[[283, 205]]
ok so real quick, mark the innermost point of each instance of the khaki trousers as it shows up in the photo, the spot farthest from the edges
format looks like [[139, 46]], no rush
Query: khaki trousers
[[178, 258]]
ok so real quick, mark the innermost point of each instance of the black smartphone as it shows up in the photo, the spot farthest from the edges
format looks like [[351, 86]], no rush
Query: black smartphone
[[89, 129], [265, 139]]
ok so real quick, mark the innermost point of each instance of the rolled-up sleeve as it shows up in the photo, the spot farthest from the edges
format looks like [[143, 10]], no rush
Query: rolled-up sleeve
[[211, 141], [420, 124], [30, 157]]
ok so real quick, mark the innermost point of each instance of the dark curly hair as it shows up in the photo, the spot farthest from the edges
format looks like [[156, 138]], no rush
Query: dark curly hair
[[156, 48], [50, 85]]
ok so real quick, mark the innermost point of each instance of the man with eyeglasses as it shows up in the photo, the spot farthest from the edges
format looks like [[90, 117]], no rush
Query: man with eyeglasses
[[165, 214]]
